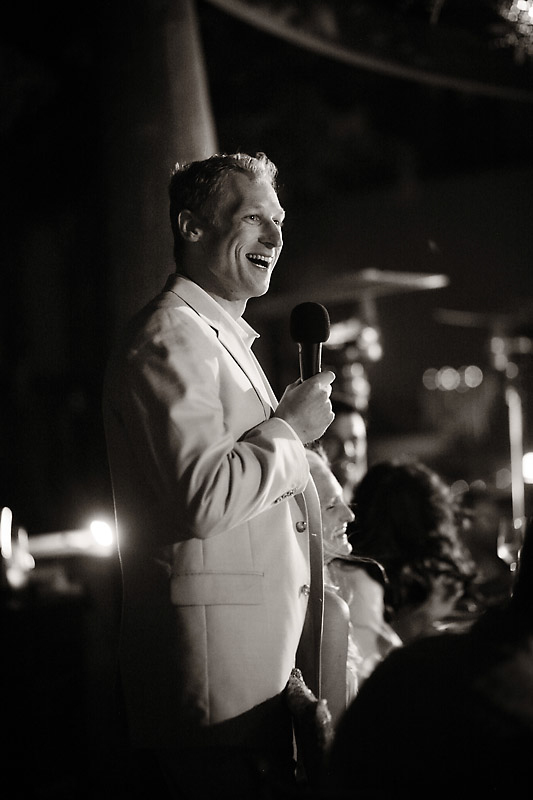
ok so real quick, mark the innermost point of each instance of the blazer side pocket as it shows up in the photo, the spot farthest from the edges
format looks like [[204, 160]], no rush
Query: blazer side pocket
[[216, 588]]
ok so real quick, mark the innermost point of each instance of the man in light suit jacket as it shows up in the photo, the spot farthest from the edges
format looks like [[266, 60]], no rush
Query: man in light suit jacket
[[217, 518]]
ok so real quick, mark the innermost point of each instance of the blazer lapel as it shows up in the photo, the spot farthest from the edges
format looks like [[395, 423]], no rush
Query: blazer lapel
[[250, 366], [212, 313]]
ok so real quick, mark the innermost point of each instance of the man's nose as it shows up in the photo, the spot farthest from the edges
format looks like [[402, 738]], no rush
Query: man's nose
[[271, 235], [349, 513]]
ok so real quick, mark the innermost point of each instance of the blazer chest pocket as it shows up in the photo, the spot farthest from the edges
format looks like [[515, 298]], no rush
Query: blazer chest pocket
[[216, 588]]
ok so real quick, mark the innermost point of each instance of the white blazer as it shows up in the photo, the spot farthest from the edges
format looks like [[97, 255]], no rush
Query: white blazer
[[215, 512]]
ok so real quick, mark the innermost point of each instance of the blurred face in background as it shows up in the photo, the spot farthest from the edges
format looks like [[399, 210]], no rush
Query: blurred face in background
[[345, 446], [336, 514]]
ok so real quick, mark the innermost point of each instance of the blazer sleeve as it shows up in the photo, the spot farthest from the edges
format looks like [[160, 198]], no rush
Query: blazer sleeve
[[207, 459]]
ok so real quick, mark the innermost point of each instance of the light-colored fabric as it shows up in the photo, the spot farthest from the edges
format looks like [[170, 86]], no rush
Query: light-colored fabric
[[335, 652], [373, 636], [341, 657], [353, 667], [209, 496]]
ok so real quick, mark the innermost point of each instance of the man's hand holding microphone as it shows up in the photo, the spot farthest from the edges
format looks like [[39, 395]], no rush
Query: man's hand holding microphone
[[305, 404]]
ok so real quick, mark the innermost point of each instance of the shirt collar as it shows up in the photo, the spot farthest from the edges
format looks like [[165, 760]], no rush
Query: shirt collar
[[207, 306]]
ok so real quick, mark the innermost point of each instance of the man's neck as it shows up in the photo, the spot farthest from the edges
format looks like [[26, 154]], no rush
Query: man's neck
[[235, 308]]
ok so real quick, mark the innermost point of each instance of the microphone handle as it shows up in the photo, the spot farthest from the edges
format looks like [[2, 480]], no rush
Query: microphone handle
[[309, 356]]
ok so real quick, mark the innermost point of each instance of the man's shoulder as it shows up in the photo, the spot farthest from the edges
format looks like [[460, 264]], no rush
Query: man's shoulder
[[166, 315], [158, 332]]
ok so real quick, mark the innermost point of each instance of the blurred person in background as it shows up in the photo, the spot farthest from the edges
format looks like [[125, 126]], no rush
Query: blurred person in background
[[345, 443], [358, 581], [448, 715], [361, 582], [407, 520], [487, 517], [340, 658]]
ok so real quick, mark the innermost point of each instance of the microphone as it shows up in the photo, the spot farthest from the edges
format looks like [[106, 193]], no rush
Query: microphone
[[309, 327]]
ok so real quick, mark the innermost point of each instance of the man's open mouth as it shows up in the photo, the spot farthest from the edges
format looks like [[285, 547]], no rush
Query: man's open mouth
[[259, 260]]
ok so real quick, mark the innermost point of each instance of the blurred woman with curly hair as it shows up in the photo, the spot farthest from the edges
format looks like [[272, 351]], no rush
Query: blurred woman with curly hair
[[408, 520]]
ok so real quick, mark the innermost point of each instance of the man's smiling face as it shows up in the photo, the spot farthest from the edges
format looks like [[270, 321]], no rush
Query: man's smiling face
[[241, 247]]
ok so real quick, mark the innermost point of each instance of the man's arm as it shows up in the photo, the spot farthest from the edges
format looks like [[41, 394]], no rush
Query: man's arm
[[202, 453]]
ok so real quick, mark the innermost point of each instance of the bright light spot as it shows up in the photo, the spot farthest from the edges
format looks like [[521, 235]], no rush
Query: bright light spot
[[497, 345], [6, 518], [102, 533], [459, 487], [527, 467], [429, 378], [369, 335], [16, 576], [503, 478], [25, 557], [374, 351], [448, 378], [472, 376], [511, 370], [500, 362], [354, 371], [15, 551]]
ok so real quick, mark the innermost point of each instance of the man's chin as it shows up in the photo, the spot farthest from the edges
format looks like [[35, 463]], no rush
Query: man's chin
[[260, 291], [345, 549]]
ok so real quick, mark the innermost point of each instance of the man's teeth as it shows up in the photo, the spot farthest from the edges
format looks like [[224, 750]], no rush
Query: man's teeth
[[259, 260]]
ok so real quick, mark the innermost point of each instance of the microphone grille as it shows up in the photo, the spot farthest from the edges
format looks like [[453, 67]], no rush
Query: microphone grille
[[309, 323]]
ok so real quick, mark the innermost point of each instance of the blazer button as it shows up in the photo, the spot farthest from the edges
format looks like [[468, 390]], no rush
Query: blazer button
[[305, 590], [301, 526]]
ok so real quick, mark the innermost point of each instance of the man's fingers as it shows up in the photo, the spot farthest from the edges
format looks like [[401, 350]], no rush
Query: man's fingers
[[323, 379]]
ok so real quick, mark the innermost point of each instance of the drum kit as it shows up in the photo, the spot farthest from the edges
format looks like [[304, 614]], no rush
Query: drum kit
[[363, 286], [510, 337], [354, 335]]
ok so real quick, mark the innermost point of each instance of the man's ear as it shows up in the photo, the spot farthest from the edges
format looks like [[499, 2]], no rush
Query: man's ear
[[189, 225]]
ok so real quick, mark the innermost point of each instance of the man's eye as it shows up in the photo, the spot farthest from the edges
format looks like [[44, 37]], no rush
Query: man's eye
[[278, 222], [254, 217]]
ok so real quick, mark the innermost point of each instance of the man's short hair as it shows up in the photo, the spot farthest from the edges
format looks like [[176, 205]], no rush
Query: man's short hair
[[196, 185]]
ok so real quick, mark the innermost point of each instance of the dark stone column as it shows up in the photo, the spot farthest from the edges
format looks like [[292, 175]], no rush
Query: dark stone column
[[156, 112]]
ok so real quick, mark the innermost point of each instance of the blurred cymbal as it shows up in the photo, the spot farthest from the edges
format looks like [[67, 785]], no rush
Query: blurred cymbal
[[514, 323], [466, 319], [356, 286]]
